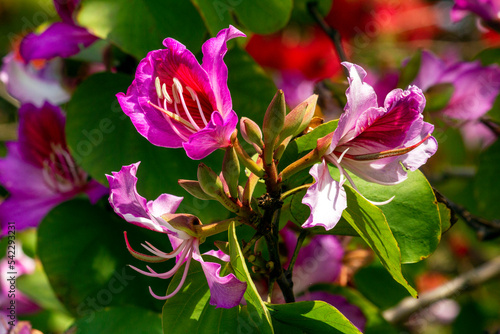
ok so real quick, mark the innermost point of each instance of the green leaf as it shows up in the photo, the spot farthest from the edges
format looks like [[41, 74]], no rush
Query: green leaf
[[102, 139], [487, 183], [489, 56], [189, 310], [259, 16], [256, 306], [139, 26], [124, 319], [375, 322], [308, 141], [312, 317], [410, 71], [413, 215], [370, 223], [83, 253]]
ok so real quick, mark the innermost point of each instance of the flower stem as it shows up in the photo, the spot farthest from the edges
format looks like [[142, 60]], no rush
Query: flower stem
[[246, 160], [306, 161], [303, 234], [295, 190]]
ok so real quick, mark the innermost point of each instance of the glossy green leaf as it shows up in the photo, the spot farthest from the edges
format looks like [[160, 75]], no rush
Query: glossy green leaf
[[375, 322], [83, 253], [308, 141], [413, 215], [489, 56], [263, 16], [189, 310], [256, 307], [487, 183], [312, 317], [140, 26], [371, 225], [103, 139], [124, 319]]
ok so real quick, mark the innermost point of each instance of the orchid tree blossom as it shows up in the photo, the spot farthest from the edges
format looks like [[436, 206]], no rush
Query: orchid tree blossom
[[176, 102], [159, 215], [33, 81], [377, 143], [39, 171], [488, 10], [475, 88], [60, 39]]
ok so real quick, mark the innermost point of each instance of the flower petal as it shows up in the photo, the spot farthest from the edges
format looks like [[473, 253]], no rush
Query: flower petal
[[65, 9], [214, 51], [30, 85], [59, 40], [326, 198], [216, 135], [225, 292]]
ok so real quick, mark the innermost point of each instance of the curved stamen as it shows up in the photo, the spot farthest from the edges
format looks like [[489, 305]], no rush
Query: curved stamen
[[194, 96], [181, 283], [141, 256], [165, 275], [164, 255], [158, 88], [179, 98], [165, 94]]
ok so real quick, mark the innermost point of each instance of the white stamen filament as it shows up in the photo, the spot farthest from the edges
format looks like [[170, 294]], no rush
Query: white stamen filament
[[164, 255], [168, 274], [179, 98], [158, 87], [181, 283], [165, 94], [194, 96]]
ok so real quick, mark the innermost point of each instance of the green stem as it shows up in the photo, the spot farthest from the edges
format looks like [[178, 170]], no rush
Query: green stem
[[295, 190], [306, 161], [252, 241], [246, 160], [302, 236]]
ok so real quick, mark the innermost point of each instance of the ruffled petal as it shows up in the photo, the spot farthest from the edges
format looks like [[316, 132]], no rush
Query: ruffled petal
[[216, 135], [214, 51], [360, 97], [326, 198], [125, 200], [59, 40], [225, 292]]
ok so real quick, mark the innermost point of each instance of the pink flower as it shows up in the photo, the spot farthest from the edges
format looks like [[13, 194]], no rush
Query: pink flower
[[39, 171], [176, 102], [377, 143], [225, 291]]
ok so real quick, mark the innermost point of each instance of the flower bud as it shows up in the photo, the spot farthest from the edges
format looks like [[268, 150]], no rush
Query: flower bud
[[182, 222], [251, 133], [231, 171], [210, 182], [298, 119], [194, 188], [274, 121]]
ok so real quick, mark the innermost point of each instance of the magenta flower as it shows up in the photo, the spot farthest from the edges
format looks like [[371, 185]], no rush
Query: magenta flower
[[488, 10], [60, 39], [39, 172], [376, 143], [176, 102], [225, 291], [24, 265], [32, 84]]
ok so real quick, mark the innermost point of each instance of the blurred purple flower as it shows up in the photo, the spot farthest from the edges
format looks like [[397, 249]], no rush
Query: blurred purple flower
[[29, 83], [475, 90], [225, 291], [379, 144], [176, 102], [39, 171], [60, 39], [24, 265], [318, 262], [295, 86], [488, 10]]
